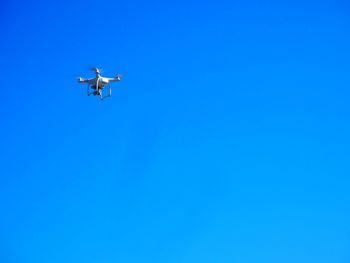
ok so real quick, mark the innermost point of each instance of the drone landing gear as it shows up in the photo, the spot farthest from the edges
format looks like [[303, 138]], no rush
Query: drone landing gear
[[109, 93], [90, 90], [99, 91]]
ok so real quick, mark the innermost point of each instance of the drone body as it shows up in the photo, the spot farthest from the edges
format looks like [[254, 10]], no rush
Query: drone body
[[98, 83]]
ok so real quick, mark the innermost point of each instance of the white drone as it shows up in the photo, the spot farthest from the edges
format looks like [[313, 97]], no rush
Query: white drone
[[97, 84]]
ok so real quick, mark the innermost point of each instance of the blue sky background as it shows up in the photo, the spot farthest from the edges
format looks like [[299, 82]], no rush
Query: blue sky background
[[227, 140]]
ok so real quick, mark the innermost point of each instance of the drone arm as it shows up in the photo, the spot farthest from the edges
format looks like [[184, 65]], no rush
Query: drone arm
[[85, 81], [116, 79]]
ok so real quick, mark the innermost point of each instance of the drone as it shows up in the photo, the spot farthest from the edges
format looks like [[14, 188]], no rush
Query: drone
[[98, 83]]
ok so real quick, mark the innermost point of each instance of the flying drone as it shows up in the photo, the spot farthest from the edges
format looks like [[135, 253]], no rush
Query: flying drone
[[98, 83]]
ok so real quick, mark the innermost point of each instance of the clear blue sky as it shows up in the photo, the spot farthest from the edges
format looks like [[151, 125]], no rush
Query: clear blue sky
[[227, 140]]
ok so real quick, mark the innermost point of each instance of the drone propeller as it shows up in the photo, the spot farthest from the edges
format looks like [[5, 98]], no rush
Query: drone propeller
[[95, 69], [120, 75]]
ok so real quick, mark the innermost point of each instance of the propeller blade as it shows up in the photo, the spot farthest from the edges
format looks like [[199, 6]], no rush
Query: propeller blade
[[120, 75], [94, 69]]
